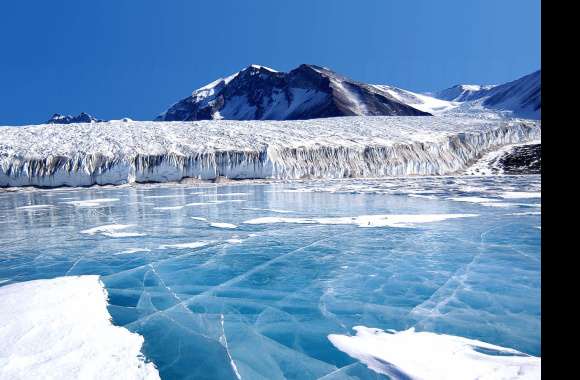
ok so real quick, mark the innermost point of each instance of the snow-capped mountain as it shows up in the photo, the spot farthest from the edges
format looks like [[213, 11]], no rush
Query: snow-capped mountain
[[310, 92], [307, 92], [521, 97], [68, 119]]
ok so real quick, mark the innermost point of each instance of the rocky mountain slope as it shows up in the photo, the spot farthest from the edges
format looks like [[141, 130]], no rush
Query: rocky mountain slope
[[307, 92]]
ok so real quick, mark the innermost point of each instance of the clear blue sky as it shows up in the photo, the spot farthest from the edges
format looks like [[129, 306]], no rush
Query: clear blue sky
[[133, 58]]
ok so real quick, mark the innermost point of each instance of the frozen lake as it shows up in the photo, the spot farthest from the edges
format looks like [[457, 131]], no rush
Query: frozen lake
[[249, 279]]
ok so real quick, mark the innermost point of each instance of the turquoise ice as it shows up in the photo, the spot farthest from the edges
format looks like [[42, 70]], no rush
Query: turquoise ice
[[249, 279]]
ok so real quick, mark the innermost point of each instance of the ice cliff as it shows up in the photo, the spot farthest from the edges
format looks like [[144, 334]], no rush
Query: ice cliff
[[123, 152]]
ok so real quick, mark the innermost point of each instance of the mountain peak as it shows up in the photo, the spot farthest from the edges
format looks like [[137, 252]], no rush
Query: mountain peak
[[306, 92]]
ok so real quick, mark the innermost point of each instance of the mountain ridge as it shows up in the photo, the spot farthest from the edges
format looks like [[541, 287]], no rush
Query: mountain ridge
[[522, 96], [306, 92], [311, 92]]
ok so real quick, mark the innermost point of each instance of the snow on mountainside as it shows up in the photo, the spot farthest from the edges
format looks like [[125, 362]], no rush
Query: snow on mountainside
[[421, 102], [307, 92], [123, 152], [520, 98]]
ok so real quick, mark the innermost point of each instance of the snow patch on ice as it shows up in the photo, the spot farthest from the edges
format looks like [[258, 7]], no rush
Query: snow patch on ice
[[393, 220], [92, 202], [268, 209], [223, 225], [169, 208], [61, 329], [134, 250], [479, 200], [425, 355], [112, 230], [34, 207], [195, 244], [520, 195]]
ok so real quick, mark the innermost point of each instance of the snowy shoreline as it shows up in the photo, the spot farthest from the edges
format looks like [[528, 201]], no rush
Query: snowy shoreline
[[128, 152]]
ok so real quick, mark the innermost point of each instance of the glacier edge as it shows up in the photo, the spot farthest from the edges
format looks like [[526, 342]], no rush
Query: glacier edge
[[118, 153]]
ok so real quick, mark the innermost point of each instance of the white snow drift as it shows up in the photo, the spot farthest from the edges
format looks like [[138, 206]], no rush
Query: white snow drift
[[61, 329], [125, 152], [424, 355]]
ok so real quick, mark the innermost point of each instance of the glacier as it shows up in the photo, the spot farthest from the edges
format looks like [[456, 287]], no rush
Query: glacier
[[119, 152]]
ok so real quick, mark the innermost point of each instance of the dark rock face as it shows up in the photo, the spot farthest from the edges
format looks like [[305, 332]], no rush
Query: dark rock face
[[307, 92], [68, 119], [526, 159]]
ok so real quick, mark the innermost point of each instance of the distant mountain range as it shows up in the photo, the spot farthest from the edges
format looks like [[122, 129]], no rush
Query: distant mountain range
[[310, 92], [68, 119], [80, 118]]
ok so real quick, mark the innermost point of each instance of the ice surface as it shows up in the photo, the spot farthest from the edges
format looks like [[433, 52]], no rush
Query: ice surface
[[260, 300], [424, 355], [127, 152], [61, 329]]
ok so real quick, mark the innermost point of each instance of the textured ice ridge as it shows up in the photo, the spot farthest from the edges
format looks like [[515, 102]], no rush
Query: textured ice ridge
[[125, 152]]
